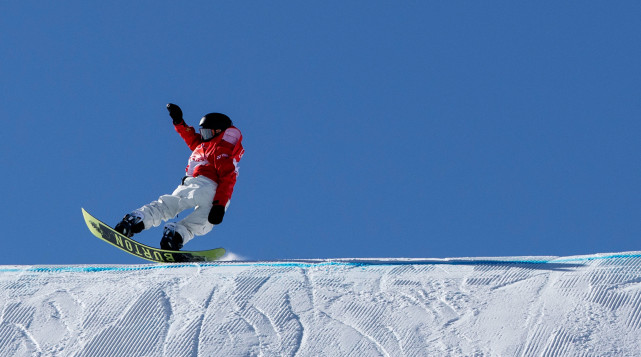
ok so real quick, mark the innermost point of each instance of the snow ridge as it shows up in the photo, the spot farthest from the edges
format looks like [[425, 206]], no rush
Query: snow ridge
[[518, 306]]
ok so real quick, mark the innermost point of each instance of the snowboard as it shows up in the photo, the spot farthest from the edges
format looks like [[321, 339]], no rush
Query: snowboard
[[109, 235]]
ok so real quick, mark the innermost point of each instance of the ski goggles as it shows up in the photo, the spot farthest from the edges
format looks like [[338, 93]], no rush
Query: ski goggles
[[206, 134]]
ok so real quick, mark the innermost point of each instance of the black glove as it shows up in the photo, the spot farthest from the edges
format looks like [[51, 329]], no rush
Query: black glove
[[216, 214], [175, 113]]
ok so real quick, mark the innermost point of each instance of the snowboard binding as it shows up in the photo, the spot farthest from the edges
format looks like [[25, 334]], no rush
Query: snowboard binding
[[171, 240], [131, 224]]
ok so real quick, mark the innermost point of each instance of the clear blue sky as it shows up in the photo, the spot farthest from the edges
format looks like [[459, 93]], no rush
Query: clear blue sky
[[371, 128]]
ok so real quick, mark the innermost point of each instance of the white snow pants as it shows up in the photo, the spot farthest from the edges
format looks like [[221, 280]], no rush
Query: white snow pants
[[195, 192]]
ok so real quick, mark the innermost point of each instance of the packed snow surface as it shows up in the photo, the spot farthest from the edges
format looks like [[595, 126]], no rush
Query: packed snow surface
[[519, 306]]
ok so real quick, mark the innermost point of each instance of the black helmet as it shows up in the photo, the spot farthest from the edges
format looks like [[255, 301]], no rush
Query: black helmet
[[212, 122], [215, 121]]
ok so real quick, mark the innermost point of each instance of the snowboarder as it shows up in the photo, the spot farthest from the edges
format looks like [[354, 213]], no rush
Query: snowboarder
[[207, 186]]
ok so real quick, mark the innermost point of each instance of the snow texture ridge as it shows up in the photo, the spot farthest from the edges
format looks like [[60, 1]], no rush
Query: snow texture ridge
[[526, 306]]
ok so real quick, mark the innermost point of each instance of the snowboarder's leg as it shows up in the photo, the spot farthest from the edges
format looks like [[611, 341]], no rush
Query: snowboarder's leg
[[163, 209], [195, 192], [196, 223], [168, 206]]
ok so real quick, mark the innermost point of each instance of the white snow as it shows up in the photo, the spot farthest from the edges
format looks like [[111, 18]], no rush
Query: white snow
[[519, 306]]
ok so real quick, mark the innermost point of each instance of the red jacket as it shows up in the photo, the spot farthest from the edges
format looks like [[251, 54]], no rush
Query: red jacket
[[216, 159]]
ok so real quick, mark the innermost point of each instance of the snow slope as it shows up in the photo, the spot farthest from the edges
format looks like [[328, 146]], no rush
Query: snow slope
[[541, 306]]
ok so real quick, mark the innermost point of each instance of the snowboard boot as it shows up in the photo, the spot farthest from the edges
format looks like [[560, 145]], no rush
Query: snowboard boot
[[131, 224], [171, 240]]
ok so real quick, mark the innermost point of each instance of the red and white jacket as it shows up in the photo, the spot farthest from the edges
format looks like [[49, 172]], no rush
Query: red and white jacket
[[216, 159]]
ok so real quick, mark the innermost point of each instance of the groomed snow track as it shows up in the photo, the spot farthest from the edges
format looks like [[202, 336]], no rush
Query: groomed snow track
[[521, 306]]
